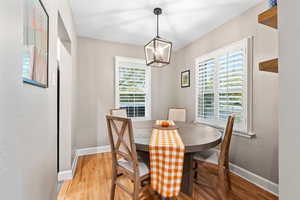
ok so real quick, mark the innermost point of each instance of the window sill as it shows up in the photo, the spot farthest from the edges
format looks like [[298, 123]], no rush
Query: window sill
[[138, 119], [244, 134]]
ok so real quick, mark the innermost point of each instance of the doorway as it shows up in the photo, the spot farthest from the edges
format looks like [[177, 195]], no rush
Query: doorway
[[64, 101]]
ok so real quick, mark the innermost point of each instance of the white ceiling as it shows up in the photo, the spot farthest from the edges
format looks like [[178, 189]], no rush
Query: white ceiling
[[133, 21]]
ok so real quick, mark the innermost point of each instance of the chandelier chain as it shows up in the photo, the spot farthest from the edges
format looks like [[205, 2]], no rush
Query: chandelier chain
[[157, 26]]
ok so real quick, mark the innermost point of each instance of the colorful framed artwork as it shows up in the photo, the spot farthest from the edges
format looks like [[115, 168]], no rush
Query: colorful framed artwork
[[35, 43], [185, 79]]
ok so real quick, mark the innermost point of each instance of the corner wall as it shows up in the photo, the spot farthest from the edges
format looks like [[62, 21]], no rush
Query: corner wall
[[64, 9], [289, 98], [28, 114], [260, 154]]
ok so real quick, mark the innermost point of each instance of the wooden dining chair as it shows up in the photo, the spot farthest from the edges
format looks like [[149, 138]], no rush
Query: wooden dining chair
[[124, 157], [118, 113], [216, 162], [177, 114]]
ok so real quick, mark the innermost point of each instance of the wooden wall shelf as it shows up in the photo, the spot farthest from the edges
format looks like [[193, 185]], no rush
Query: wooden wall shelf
[[269, 18], [269, 66]]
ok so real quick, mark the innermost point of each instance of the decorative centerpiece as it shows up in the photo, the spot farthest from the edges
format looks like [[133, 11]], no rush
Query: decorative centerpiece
[[165, 125], [272, 3]]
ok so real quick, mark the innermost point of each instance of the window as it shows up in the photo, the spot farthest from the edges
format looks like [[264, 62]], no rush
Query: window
[[223, 85], [132, 87]]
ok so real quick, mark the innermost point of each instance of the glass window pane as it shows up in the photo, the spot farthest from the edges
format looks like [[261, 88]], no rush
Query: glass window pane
[[133, 92]]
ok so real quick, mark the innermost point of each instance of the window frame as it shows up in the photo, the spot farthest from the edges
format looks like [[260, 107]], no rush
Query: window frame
[[247, 44], [118, 61]]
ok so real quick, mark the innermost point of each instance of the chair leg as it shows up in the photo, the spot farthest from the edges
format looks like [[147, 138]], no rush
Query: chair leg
[[113, 186], [136, 190], [223, 184]]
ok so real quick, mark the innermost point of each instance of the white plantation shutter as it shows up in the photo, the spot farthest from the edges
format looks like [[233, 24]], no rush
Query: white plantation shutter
[[133, 87], [232, 76], [205, 86], [222, 87]]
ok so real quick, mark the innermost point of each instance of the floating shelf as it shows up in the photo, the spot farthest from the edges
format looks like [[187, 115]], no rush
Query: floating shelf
[[269, 66], [269, 18]]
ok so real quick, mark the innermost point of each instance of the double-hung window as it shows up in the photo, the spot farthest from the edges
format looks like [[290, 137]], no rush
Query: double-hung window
[[132, 87], [223, 86]]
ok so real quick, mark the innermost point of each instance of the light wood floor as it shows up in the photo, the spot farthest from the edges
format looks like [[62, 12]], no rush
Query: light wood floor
[[93, 175]]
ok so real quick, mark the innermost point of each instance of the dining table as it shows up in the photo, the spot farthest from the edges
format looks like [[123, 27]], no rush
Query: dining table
[[195, 137]]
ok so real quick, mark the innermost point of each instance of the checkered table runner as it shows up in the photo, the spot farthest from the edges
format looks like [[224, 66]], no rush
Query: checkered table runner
[[166, 161]]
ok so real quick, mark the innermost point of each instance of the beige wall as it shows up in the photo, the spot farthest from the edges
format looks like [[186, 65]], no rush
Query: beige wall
[[258, 155], [289, 107], [96, 94], [28, 114]]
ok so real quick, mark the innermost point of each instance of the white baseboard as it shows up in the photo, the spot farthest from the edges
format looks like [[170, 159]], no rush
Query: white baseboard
[[74, 164], [255, 179], [249, 176], [69, 174], [65, 175], [93, 150]]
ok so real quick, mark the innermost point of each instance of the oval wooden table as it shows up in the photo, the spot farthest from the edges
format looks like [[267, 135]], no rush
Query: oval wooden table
[[195, 137]]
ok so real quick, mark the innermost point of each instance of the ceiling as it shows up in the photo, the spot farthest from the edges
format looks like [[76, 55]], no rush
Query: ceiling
[[133, 21]]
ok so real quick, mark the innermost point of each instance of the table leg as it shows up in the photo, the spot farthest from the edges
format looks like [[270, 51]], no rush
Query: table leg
[[187, 176], [144, 156]]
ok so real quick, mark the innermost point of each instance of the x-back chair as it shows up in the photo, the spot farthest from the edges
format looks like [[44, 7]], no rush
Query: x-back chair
[[118, 112], [124, 157]]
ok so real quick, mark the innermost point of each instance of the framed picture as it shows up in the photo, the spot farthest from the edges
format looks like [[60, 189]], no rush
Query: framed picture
[[185, 79], [35, 43]]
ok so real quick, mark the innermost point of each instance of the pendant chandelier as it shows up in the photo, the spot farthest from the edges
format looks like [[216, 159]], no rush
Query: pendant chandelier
[[158, 50]]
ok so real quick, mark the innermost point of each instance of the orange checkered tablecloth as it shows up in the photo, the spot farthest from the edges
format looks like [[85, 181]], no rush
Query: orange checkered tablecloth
[[166, 161]]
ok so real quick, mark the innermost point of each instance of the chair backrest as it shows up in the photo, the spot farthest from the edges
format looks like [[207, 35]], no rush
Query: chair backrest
[[121, 140], [224, 153], [177, 114], [118, 113]]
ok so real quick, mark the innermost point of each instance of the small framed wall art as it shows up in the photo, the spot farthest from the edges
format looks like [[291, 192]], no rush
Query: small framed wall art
[[185, 79]]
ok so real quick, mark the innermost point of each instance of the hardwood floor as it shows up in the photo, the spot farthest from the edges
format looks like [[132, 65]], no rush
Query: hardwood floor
[[92, 182]]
